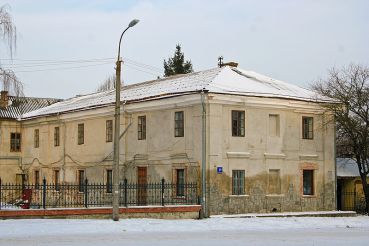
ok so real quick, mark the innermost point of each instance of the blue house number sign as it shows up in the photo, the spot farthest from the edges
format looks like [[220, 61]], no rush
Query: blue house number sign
[[219, 170]]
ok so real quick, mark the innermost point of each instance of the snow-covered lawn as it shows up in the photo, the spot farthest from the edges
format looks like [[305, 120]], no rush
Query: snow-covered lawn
[[215, 231]]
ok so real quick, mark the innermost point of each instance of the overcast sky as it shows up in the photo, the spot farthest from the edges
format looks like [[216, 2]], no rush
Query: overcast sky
[[67, 48]]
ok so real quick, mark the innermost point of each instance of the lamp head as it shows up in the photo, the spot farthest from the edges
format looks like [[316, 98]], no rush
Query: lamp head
[[133, 23]]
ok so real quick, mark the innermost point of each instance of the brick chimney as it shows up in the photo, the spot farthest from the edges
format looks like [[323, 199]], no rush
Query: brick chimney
[[231, 64], [4, 100]]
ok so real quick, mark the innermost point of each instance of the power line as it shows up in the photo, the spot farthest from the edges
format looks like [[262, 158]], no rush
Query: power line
[[54, 64], [65, 68]]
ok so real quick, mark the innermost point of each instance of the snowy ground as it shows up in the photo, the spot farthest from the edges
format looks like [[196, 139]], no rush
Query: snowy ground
[[214, 231]]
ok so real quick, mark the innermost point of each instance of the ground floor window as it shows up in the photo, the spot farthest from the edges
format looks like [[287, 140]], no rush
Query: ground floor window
[[238, 182], [274, 184], [81, 180], [308, 182], [37, 179], [57, 180], [109, 181], [180, 182]]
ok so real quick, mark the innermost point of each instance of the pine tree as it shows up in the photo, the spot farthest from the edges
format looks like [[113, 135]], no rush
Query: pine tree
[[177, 64]]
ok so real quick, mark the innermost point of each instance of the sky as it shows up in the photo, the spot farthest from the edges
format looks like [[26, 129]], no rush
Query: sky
[[66, 48]]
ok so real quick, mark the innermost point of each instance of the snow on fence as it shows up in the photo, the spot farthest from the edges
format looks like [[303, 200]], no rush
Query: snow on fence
[[85, 194]]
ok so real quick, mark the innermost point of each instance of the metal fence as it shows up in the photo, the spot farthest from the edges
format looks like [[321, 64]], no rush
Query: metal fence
[[353, 201], [85, 194]]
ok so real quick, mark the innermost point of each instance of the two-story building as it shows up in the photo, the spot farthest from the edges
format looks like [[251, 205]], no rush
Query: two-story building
[[11, 109], [269, 144]]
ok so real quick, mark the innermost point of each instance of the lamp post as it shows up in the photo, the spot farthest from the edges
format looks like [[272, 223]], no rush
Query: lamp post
[[117, 129]]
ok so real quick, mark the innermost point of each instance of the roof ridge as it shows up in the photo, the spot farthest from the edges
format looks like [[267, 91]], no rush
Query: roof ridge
[[36, 98]]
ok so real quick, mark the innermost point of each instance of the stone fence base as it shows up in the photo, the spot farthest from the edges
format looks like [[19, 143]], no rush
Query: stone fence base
[[159, 212]]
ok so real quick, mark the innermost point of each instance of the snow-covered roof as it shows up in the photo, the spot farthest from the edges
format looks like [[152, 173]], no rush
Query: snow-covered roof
[[347, 167], [225, 80]]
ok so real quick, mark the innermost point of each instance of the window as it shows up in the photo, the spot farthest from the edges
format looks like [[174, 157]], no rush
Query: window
[[179, 124], [180, 182], [274, 184], [307, 128], [274, 125], [238, 123], [36, 178], [308, 182], [81, 180], [15, 142], [56, 136], [81, 134], [141, 127], [238, 182], [36, 138], [57, 180], [109, 131], [109, 181]]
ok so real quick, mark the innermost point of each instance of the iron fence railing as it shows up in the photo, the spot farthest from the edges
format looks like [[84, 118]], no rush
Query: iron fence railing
[[353, 201], [85, 194]]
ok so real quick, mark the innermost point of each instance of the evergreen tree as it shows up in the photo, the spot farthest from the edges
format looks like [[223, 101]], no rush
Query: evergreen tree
[[177, 64]]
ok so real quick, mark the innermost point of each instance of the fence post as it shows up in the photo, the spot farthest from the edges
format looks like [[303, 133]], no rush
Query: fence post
[[86, 196], [125, 193], [162, 191], [0, 193], [44, 193]]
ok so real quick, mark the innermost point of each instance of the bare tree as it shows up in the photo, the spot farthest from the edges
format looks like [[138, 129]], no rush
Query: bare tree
[[8, 34], [107, 84], [349, 87]]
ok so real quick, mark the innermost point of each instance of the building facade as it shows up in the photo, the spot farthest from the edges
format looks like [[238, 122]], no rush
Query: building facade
[[11, 130], [269, 144]]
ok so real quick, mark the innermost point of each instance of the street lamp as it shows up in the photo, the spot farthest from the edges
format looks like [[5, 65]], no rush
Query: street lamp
[[117, 129]]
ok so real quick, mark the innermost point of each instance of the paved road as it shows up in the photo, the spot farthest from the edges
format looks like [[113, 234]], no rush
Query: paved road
[[336, 236]]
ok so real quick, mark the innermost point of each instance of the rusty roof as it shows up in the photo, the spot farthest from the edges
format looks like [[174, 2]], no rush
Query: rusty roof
[[21, 105]]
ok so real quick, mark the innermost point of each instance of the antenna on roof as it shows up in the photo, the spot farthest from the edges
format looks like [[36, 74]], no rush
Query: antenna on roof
[[220, 61]]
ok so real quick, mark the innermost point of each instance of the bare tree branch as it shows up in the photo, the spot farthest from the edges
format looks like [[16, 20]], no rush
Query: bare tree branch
[[350, 87]]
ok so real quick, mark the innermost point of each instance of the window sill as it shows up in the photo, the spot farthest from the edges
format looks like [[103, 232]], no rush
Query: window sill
[[239, 195], [274, 195], [308, 196], [179, 197]]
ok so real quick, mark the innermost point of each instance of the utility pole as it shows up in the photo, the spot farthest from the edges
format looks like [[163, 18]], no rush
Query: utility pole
[[117, 128]]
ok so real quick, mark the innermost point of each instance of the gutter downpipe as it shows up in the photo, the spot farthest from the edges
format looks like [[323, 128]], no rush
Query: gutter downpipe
[[203, 213]]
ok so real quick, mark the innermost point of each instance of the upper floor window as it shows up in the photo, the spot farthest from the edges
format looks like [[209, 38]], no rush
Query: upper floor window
[[141, 127], [238, 123], [179, 124], [307, 127], [238, 182], [15, 142], [56, 136], [36, 138], [274, 125], [109, 131], [81, 133]]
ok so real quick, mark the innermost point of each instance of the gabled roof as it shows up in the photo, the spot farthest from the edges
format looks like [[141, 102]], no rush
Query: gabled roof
[[18, 106], [224, 80]]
